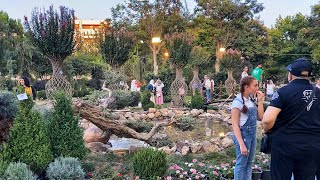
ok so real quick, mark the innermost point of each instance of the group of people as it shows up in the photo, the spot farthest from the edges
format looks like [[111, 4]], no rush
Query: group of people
[[291, 122], [155, 89]]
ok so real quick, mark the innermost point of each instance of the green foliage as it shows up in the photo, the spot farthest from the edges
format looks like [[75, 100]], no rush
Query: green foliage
[[231, 60], [107, 173], [18, 171], [140, 126], [112, 77], [146, 103], [81, 88], [97, 76], [65, 168], [197, 102], [65, 134], [149, 163], [8, 105], [28, 140], [52, 32], [116, 45], [88, 166], [199, 57], [186, 123], [122, 99]]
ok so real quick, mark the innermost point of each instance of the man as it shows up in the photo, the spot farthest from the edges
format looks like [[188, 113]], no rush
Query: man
[[207, 86], [257, 73], [295, 148]]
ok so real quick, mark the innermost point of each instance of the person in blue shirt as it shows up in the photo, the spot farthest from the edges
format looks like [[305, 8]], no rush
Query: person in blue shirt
[[295, 148]]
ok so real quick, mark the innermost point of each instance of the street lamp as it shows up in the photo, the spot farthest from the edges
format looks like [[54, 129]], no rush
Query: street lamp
[[222, 50], [156, 40]]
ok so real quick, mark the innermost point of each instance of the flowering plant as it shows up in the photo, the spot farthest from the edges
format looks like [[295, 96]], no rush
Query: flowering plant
[[263, 160]]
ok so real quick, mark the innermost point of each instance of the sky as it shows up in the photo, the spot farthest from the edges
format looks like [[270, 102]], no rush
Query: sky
[[101, 9]]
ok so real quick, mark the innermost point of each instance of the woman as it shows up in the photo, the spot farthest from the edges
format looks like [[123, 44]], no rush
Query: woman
[[245, 72], [270, 89], [134, 87], [159, 95], [24, 81], [244, 114], [151, 89]]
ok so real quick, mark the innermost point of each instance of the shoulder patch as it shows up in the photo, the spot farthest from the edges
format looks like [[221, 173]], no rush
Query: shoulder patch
[[275, 95]]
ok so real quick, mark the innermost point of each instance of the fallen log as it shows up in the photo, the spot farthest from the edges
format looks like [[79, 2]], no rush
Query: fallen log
[[95, 116]]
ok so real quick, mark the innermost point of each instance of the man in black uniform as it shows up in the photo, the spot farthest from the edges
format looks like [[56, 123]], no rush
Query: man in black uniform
[[296, 148]]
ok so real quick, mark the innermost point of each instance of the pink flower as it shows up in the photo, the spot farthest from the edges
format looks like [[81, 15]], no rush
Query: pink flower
[[177, 172], [234, 161], [119, 175], [223, 165], [210, 166], [169, 177], [181, 176], [194, 160], [185, 172], [197, 177], [171, 168], [176, 167], [137, 178], [201, 164], [227, 164], [215, 173]]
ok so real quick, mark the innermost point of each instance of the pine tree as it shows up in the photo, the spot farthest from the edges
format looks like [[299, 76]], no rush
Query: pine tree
[[65, 134], [28, 140]]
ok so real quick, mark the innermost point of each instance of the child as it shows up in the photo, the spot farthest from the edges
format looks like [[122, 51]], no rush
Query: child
[[270, 89]]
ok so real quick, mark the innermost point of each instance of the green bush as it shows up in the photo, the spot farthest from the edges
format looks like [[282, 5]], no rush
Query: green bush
[[122, 99], [149, 163], [65, 168], [197, 101], [88, 166], [146, 103], [18, 171], [8, 105], [81, 88], [186, 123], [28, 140], [136, 98], [140, 126], [65, 134], [41, 94]]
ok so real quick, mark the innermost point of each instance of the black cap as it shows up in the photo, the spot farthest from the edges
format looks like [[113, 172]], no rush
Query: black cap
[[298, 66]]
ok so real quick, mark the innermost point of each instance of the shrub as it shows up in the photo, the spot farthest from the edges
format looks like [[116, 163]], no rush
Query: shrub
[[41, 94], [136, 97], [8, 105], [65, 168], [18, 171], [186, 123], [96, 74], [140, 126], [149, 163], [122, 99], [28, 140], [197, 101], [65, 134], [146, 103]]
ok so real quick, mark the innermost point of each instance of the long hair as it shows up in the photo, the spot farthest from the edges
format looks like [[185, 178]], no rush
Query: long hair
[[246, 81], [26, 81]]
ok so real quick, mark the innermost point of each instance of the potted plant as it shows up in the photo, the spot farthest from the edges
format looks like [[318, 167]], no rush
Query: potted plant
[[264, 161], [256, 172]]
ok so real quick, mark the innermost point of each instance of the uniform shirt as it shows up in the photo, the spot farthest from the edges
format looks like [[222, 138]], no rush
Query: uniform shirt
[[239, 105], [291, 99], [256, 73]]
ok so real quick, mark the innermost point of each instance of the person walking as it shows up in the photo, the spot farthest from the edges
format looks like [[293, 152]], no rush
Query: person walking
[[244, 114], [24, 81], [159, 95], [292, 122], [245, 72], [257, 73]]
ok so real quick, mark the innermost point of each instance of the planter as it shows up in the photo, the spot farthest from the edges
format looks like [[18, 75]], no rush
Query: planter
[[256, 174], [266, 175]]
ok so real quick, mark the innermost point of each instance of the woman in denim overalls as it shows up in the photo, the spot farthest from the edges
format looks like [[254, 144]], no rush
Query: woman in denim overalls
[[245, 114]]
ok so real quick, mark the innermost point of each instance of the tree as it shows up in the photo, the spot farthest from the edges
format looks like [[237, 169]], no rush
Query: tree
[[221, 22], [199, 58], [116, 45], [54, 35], [314, 33]]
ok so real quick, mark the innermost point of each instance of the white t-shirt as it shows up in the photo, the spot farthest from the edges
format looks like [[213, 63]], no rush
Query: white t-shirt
[[239, 105], [244, 74], [270, 89], [207, 84]]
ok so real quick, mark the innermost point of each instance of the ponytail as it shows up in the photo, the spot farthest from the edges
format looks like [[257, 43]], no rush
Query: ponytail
[[246, 81]]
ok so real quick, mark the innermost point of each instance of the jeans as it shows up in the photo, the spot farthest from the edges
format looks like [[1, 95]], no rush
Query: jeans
[[208, 94], [243, 168]]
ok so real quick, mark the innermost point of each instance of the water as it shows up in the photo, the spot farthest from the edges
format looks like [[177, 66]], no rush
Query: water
[[125, 143]]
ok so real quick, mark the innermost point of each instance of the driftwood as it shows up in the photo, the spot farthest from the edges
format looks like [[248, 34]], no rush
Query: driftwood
[[95, 116]]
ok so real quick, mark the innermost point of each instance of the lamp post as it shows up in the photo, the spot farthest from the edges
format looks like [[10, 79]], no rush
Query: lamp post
[[155, 50]]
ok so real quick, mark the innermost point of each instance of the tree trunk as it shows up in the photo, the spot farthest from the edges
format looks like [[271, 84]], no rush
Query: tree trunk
[[195, 81], [117, 128], [195, 72], [230, 74], [179, 73], [219, 55], [155, 63]]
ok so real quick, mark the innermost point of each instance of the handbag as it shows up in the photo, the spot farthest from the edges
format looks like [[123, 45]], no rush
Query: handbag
[[265, 145]]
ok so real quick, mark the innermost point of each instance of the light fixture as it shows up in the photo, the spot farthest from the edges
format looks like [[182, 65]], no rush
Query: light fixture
[[166, 54], [221, 134], [141, 42], [222, 49], [156, 40]]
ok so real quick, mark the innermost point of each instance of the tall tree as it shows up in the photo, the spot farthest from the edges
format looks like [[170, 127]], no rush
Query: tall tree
[[53, 33], [314, 32], [222, 22]]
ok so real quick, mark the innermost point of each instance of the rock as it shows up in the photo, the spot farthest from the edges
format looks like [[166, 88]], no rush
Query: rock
[[114, 116], [185, 150], [152, 110], [181, 144], [215, 140], [226, 142], [167, 150], [164, 110], [128, 115], [195, 148], [84, 124], [226, 118], [194, 112], [97, 147], [230, 121], [207, 146], [201, 111], [211, 111], [157, 114], [208, 132], [171, 113], [164, 114], [187, 114], [150, 115], [137, 116], [122, 118], [178, 112], [144, 116], [94, 134]]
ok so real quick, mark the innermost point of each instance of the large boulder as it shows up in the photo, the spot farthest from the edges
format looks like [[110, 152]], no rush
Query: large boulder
[[226, 142], [195, 112], [207, 146], [157, 114], [168, 150], [196, 147], [151, 115], [185, 150], [152, 110], [95, 134]]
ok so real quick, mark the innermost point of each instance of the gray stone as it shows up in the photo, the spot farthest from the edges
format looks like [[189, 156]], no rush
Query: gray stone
[[195, 148]]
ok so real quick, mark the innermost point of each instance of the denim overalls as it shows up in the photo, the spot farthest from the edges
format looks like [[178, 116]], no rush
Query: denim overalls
[[243, 167]]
